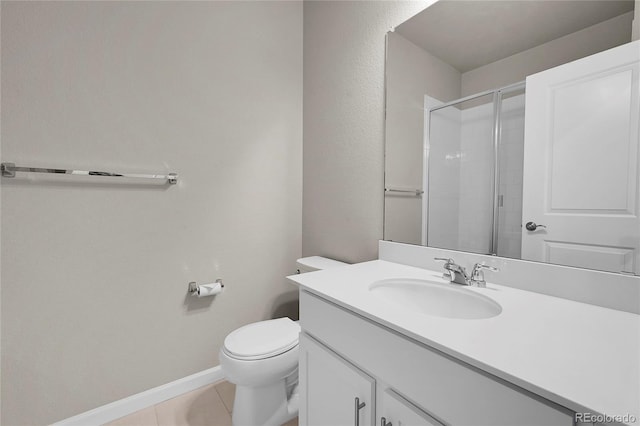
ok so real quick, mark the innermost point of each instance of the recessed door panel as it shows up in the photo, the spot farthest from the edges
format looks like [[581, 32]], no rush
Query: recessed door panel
[[591, 256], [592, 144]]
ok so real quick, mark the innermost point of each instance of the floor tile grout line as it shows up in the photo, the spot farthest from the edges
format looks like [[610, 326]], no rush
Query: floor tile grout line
[[155, 413], [220, 396], [230, 411]]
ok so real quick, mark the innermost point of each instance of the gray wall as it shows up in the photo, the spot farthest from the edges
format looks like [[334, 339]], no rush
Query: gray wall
[[344, 51], [95, 272], [635, 35], [591, 40], [411, 73]]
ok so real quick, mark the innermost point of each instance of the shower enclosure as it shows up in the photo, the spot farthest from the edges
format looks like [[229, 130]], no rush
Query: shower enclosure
[[473, 176]]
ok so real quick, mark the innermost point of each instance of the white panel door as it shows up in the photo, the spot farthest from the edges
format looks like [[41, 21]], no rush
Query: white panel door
[[333, 392], [581, 163]]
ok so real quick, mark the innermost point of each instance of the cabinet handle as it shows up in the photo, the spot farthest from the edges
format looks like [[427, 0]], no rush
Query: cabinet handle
[[358, 407], [383, 422]]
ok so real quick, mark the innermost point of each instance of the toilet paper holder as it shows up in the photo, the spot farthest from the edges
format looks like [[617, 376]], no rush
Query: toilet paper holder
[[193, 287]]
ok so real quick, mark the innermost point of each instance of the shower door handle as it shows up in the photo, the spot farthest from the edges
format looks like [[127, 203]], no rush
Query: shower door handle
[[532, 226], [359, 406]]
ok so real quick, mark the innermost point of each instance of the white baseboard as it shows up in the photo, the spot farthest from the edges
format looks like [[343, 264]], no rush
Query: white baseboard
[[133, 403]]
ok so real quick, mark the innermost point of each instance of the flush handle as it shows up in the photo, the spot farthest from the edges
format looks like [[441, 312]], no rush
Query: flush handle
[[383, 422], [532, 226], [359, 406]]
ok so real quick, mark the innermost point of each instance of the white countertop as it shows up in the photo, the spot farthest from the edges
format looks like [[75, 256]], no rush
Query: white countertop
[[583, 357]]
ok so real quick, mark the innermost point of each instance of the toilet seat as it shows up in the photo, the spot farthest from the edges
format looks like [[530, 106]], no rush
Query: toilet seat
[[260, 340]]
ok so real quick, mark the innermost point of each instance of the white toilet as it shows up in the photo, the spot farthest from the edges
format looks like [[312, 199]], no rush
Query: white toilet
[[261, 359]]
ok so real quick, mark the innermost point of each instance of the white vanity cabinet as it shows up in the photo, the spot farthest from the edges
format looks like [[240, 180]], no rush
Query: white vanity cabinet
[[344, 356], [336, 392]]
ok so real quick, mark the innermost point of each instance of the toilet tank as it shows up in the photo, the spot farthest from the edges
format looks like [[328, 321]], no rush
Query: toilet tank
[[316, 263]]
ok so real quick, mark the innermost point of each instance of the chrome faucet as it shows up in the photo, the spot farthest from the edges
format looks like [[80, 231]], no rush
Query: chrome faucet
[[455, 273]]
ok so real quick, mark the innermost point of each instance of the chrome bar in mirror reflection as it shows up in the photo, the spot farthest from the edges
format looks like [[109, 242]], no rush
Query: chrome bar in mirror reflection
[[9, 170], [416, 192]]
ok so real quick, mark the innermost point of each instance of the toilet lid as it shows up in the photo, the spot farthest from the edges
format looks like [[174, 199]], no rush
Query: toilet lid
[[262, 339]]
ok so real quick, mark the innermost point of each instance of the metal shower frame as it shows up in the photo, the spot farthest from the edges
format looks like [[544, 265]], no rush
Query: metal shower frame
[[498, 95]]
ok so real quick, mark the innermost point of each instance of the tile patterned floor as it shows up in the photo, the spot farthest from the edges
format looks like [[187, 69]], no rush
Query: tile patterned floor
[[208, 406]]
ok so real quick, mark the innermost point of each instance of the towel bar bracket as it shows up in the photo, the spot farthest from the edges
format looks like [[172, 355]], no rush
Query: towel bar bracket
[[8, 170]]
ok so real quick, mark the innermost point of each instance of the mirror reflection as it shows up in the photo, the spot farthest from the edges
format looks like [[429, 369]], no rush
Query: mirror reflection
[[512, 130]]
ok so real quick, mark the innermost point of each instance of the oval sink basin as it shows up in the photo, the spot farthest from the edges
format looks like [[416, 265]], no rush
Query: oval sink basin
[[437, 299]]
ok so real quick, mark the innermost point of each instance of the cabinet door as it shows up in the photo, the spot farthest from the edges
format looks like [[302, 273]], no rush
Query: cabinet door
[[394, 410], [330, 388]]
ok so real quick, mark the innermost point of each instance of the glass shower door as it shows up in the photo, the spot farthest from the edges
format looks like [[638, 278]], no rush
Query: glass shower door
[[460, 175]]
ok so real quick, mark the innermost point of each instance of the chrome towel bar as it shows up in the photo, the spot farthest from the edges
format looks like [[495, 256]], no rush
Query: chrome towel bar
[[416, 192], [9, 170]]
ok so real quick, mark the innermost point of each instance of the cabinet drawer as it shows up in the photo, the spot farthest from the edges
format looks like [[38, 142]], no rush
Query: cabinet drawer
[[447, 389]]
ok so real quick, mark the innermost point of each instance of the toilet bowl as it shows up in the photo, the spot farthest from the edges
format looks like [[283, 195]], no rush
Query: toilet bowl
[[261, 359]]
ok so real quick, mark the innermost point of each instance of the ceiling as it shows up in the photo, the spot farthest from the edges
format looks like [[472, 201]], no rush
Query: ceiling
[[470, 33]]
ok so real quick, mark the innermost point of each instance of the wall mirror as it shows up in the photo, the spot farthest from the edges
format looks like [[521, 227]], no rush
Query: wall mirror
[[512, 129]]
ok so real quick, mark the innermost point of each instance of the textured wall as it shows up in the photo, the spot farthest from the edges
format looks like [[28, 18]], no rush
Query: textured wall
[[635, 35], [344, 51], [411, 73], [95, 272], [591, 40]]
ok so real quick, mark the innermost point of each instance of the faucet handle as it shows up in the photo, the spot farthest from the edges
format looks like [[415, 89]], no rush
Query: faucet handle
[[477, 274], [447, 262], [482, 265]]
